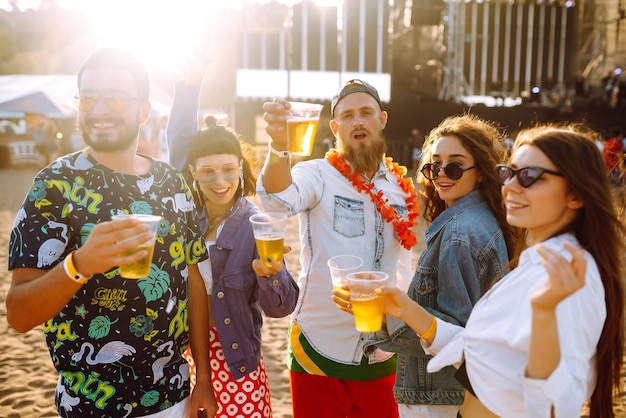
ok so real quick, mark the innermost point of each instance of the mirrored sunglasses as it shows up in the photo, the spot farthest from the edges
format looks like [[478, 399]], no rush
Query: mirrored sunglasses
[[227, 172], [526, 176], [453, 171], [118, 103]]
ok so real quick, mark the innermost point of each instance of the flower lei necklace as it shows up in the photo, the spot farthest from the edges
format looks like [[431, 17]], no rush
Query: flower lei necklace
[[402, 227]]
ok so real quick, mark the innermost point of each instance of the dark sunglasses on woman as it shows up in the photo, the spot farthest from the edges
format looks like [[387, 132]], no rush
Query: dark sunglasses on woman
[[453, 171], [526, 176]]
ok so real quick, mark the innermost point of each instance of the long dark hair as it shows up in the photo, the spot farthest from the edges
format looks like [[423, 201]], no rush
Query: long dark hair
[[599, 229], [486, 144], [216, 140]]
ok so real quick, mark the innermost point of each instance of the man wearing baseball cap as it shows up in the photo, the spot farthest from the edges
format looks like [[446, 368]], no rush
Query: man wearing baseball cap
[[351, 202], [355, 86]]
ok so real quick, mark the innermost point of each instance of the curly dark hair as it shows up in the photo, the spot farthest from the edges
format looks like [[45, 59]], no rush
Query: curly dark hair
[[485, 143]]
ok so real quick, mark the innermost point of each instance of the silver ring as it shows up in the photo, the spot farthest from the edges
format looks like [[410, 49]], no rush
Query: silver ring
[[349, 306]]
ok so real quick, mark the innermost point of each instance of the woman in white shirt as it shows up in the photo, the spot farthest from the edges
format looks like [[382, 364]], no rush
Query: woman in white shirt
[[549, 335]]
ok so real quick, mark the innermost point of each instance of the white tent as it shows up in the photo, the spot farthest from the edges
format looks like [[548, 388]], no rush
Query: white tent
[[39, 102]]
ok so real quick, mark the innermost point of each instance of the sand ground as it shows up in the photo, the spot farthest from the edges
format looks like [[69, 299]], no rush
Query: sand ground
[[27, 378]]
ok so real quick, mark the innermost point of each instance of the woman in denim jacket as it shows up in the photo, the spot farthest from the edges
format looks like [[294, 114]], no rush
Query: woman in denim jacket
[[467, 246], [239, 284]]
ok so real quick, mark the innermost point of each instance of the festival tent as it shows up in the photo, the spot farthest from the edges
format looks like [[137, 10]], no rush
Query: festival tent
[[18, 95], [39, 103]]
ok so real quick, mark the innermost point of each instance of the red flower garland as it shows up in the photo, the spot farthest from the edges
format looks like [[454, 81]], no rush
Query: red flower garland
[[402, 227]]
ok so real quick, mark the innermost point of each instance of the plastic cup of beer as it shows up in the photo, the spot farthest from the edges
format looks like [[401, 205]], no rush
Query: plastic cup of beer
[[302, 121], [367, 305], [141, 268], [269, 235], [340, 266]]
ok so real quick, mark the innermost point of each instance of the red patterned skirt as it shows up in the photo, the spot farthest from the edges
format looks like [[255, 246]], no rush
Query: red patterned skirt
[[246, 397]]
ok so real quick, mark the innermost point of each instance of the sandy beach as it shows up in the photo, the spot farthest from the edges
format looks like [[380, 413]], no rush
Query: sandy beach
[[27, 378]]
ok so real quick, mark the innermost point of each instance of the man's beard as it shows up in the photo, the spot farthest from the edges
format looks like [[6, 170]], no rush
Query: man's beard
[[366, 157], [121, 143]]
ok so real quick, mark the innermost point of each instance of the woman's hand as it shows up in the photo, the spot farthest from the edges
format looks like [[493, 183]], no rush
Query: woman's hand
[[400, 305], [397, 302], [564, 278], [203, 397], [262, 269]]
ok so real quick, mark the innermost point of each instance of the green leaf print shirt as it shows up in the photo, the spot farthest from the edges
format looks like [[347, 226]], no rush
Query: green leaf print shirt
[[118, 343]]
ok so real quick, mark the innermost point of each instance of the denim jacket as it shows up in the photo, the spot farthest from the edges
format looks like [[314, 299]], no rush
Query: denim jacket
[[238, 294], [465, 251]]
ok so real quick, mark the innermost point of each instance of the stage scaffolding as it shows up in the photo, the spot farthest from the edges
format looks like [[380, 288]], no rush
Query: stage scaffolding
[[505, 48], [602, 48], [441, 49]]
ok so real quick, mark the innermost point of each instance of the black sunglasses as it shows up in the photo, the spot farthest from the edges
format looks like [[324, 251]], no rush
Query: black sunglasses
[[526, 176], [453, 171]]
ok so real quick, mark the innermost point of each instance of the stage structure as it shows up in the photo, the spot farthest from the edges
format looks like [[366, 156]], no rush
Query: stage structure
[[467, 48], [484, 48], [306, 51], [507, 49]]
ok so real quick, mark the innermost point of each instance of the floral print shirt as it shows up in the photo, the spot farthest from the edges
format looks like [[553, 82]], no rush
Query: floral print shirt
[[118, 343]]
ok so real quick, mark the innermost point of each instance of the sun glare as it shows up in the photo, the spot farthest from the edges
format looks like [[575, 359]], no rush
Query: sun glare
[[162, 33]]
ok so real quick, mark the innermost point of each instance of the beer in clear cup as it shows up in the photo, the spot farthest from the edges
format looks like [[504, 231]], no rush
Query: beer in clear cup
[[269, 235], [141, 268], [340, 266], [367, 305], [302, 121]]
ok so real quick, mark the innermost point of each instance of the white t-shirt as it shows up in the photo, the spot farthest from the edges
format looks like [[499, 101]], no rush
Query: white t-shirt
[[205, 270]]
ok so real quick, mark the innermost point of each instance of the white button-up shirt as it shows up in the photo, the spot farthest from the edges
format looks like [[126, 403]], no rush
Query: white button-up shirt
[[336, 219], [495, 342]]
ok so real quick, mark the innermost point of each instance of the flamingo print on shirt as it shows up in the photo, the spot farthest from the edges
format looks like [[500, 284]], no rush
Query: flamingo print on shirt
[[159, 364], [110, 353], [51, 249]]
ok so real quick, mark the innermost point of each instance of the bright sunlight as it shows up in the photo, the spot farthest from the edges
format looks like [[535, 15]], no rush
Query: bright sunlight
[[161, 33]]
